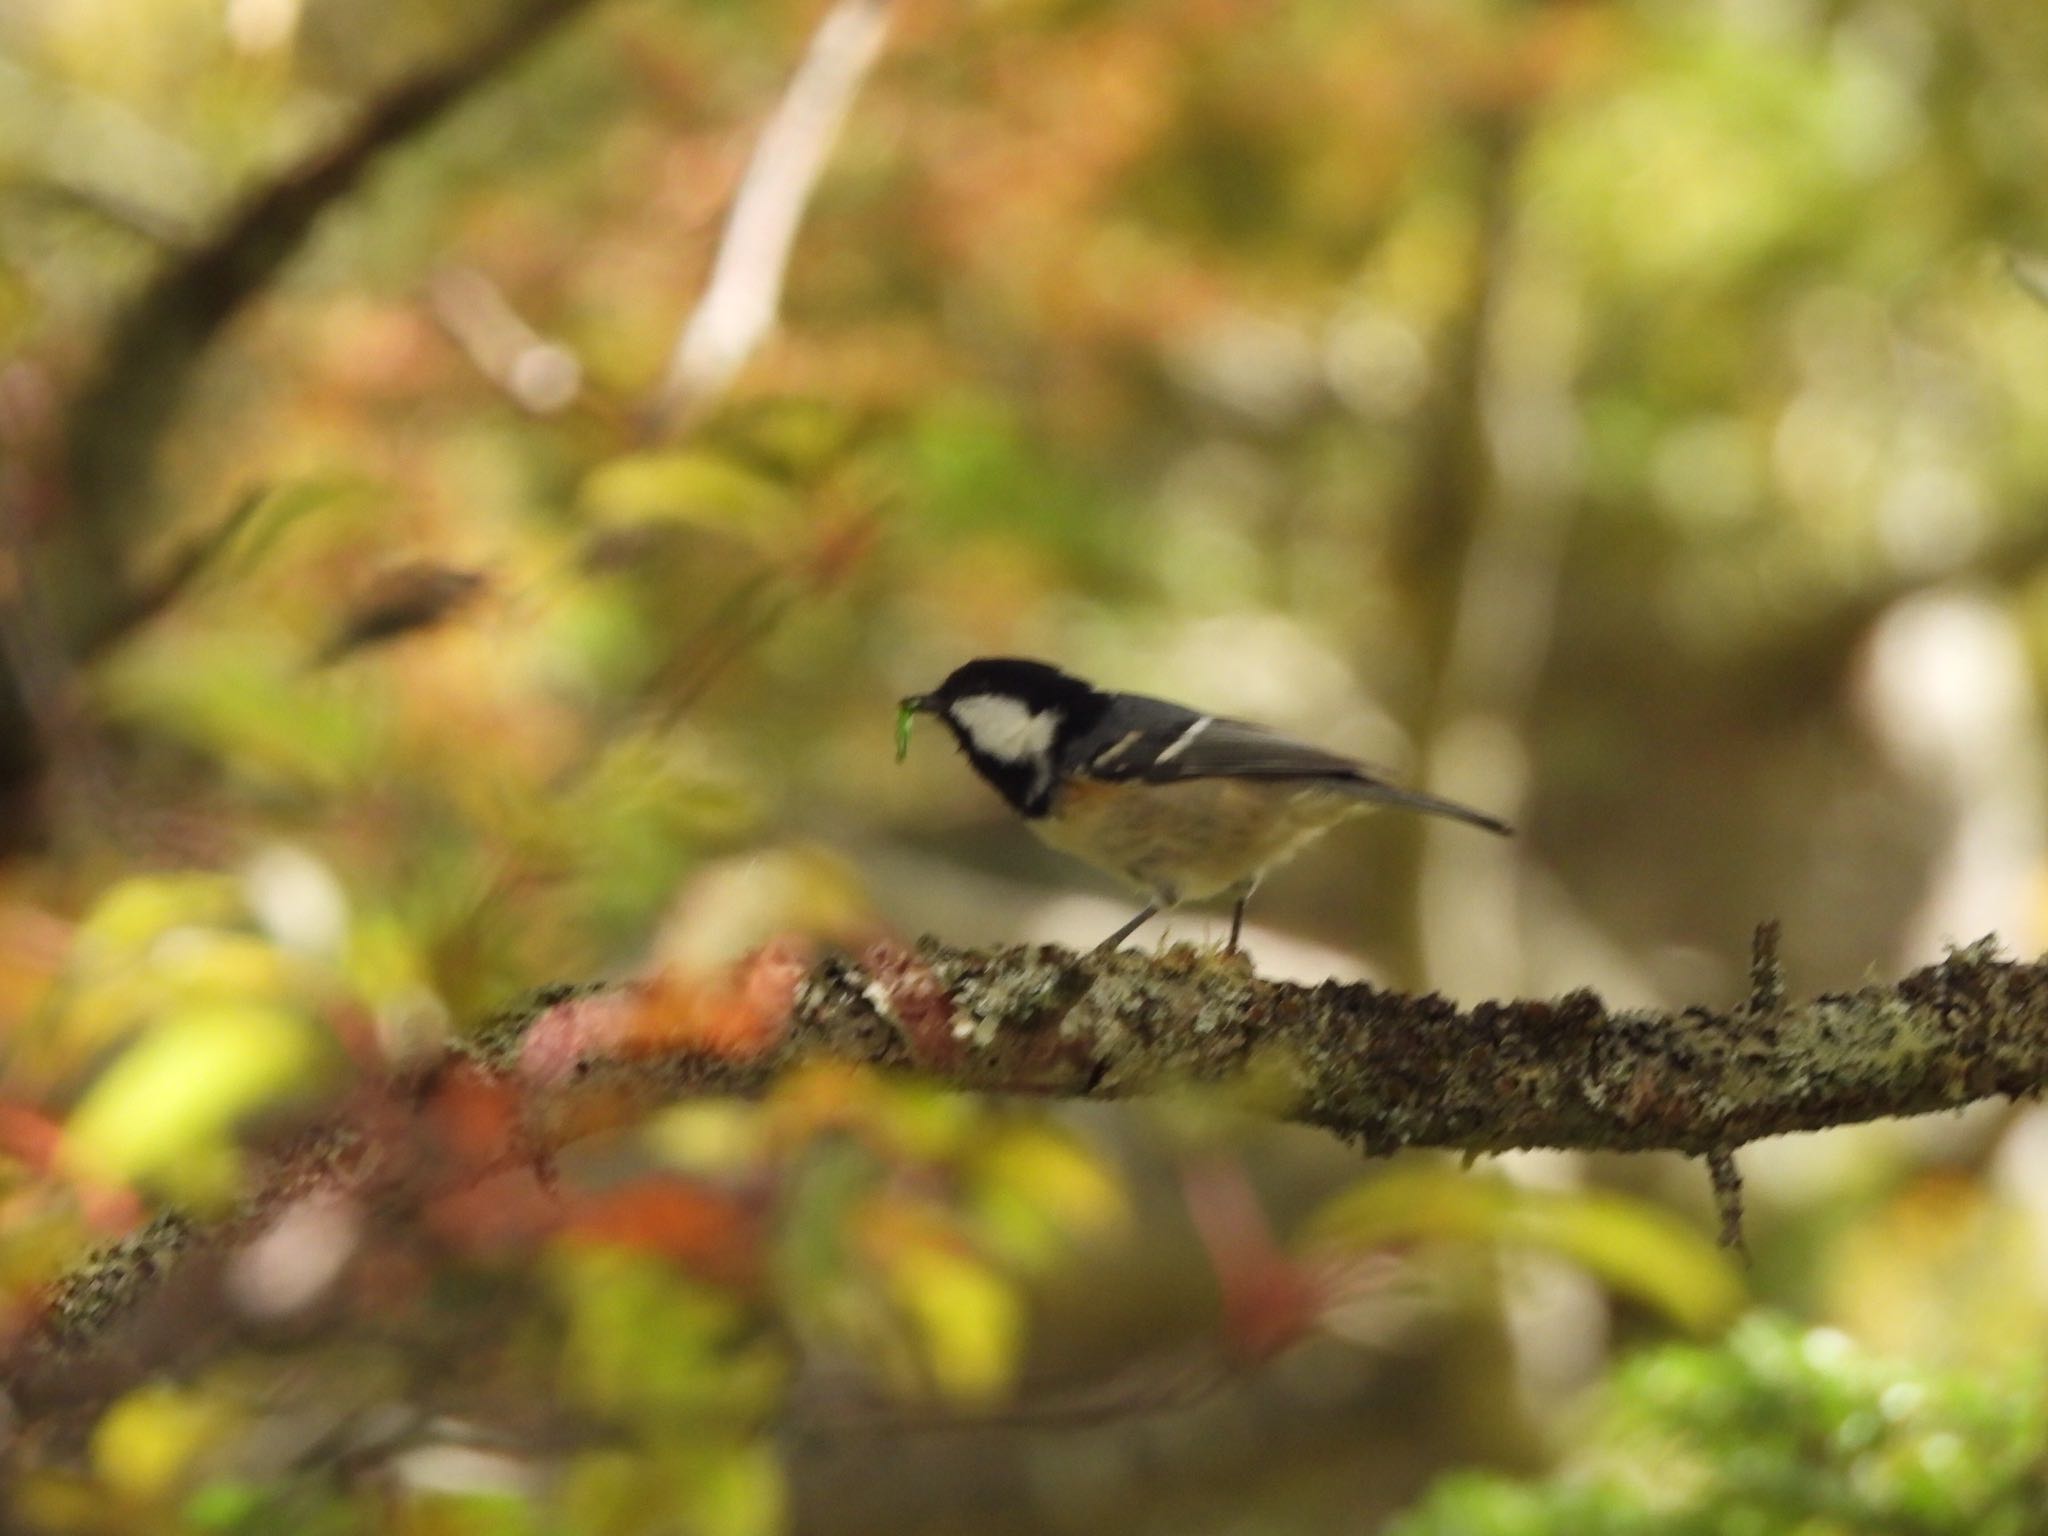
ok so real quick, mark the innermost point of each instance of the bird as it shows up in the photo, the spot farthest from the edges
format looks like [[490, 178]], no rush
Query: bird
[[1185, 806]]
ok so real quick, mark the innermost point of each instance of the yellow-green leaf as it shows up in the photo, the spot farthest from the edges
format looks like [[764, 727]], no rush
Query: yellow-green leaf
[[205, 966], [164, 1110], [137, 912], [968, 1318], [691, 487], [740, 1492], [1036, 1190], [1630, 1244], [144, 1446], [1060, 1175], [231, 695]]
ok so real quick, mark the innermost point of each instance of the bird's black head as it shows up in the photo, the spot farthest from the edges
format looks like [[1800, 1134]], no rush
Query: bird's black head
[[1011, 716]]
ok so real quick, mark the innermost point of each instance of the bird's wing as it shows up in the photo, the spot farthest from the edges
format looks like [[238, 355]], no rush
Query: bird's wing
[[1160, 743]]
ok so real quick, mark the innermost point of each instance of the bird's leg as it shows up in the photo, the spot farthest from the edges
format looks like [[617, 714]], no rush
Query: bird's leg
[[1244, 896], [1151, 911]]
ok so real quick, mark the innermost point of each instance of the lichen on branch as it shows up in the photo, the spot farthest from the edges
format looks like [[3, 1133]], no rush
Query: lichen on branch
[[1388, 1070], [1385, 1070]]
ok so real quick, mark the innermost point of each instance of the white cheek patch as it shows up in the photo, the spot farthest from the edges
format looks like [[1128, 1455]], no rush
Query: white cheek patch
[[1004, 729]]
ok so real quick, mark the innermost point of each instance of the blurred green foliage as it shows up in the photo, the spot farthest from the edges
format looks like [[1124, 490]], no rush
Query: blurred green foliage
[[1781, 1428]]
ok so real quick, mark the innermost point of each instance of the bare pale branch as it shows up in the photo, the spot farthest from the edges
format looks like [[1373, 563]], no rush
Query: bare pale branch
[[744, 295]]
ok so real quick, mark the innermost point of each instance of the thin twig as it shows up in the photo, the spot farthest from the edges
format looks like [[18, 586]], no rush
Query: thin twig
[[1728, 1198], [1766, 972], [146, 600], [1765, 1009]]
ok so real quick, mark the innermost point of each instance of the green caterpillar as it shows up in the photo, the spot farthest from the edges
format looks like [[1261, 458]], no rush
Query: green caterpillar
[[903, 718]]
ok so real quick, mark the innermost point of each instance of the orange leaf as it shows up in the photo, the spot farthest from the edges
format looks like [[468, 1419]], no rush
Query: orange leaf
[[475, 1116], [1270, 1300], [739, 1015], [32, 1139], [503, 1214], [29, 1136], [709, 1233]]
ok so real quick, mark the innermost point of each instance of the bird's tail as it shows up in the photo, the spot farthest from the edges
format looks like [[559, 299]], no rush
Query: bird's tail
[[1434, 805]]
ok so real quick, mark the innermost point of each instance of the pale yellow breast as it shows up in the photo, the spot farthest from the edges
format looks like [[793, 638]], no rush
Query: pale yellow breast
[[1191, 840]]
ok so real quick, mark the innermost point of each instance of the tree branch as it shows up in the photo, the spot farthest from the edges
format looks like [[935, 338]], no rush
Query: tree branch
[[119, 420], [1384, 1070], [1390, 1070]]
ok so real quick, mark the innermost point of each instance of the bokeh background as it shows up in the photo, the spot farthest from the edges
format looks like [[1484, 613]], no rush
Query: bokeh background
[[1629, 417]]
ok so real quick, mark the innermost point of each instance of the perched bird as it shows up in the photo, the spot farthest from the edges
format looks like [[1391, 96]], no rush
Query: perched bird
[[1182, 805]]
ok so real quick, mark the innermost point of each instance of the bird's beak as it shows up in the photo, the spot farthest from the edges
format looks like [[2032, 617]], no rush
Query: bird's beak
[[908, 710]]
